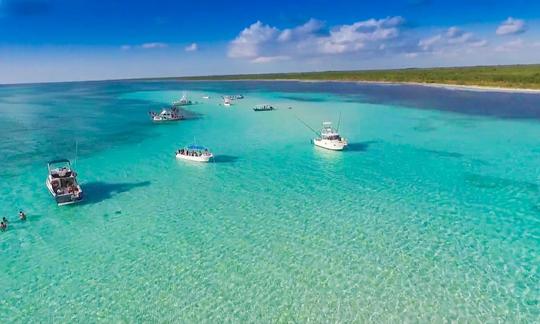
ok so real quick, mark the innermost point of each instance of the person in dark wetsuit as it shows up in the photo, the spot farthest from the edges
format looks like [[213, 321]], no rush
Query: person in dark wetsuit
[[22, 215], [3, 226]]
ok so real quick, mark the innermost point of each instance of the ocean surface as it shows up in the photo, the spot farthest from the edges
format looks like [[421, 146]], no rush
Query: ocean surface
[[431, 215]]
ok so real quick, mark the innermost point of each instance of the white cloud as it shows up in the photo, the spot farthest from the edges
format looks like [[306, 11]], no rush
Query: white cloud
[[263, 43], [247, 44], [511, 46], [125, 47], [360, 35], [511, 26], [193, 47], [453, 38], [153, 45], [311, 27], [268, 59]]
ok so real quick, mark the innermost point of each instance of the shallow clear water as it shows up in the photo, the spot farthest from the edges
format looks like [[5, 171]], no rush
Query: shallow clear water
[[433, 214]]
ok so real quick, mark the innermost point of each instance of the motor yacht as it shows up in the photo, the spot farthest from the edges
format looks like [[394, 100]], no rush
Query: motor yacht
[[184, 101], [62, 183], [329, 138], [166, 115]]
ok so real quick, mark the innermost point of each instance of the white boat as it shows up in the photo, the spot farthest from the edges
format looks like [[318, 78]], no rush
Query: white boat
[[166, 115], [184, 101], [195, 153], [206, 97], [330, 139], [62, 183], [227, 101]]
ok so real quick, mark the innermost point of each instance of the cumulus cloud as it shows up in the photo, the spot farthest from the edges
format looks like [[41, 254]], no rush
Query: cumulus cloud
[[193, 47], [511, 46], [153, 45], [312, 26], [454, 37], [249, 42], [262, 43], [511, 26], [360, 35]]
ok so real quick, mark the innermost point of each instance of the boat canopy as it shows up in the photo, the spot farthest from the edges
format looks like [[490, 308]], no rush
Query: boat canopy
[[59, 161], [196, 147]]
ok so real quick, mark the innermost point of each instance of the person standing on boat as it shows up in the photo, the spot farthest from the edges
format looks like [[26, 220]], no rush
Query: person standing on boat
[[22, 215]]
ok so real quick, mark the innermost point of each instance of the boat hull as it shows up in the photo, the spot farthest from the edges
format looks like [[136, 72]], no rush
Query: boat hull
[[203, 158], [330, 145], [162, 120]]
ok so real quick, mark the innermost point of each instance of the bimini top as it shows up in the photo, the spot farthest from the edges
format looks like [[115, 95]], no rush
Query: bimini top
[[59, 161], [196, 147]]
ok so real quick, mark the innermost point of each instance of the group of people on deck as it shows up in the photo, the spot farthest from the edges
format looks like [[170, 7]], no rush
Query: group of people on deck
[[4, 223], [192, 153]]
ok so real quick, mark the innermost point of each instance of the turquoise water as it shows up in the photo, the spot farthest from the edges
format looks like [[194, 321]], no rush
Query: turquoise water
[[432, 215]]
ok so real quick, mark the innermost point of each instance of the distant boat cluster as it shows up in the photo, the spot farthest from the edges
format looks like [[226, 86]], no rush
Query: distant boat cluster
[[62, 179]]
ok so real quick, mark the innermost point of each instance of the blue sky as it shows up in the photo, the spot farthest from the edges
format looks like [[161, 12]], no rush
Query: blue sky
[[57, 40]]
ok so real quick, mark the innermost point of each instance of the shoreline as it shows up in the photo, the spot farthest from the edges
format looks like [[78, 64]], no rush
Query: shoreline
[[474, 88]]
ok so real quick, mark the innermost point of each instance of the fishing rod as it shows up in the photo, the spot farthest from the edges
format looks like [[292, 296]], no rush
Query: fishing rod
[[305, 124], [339, 121]]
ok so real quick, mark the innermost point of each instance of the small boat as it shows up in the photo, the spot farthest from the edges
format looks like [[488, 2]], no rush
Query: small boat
[[330, 139], [195, 153], [227, 101], [206, 97], [62, 183], [264, 108], [166, 115], [184, 101], [236, 97]]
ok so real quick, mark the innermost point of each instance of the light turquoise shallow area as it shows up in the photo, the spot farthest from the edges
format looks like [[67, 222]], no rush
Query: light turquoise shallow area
[[430, 216]]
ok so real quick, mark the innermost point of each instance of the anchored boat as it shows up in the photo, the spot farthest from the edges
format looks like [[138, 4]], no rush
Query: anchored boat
[[227, 101], [166, 115], [264, 108], [184, 101], [195, 153], [329, 138], [62, 183]]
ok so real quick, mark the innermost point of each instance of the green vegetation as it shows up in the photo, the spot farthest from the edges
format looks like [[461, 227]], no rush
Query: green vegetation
[[507, 76]]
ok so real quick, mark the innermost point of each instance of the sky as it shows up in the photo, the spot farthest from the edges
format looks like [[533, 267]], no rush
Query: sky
[[74, 40]]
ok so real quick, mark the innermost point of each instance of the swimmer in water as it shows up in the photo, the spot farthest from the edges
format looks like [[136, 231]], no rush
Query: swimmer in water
[[5, 220], [3, 226], [22, 215]]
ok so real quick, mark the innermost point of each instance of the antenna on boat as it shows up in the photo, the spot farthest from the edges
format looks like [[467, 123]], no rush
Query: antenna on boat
[[76, 151], [305, 124], [339, 122]]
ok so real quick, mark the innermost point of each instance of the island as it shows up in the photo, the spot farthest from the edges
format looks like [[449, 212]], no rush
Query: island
[[512, 77]]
